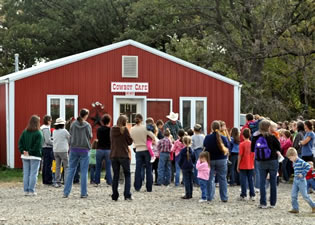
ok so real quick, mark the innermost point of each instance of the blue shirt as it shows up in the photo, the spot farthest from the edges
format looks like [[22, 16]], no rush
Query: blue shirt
[[210, 143], [234, 148], [307, 149], [301, 167]]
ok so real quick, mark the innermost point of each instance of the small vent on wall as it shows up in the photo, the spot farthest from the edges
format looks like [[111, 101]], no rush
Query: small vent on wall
[[130, 66]]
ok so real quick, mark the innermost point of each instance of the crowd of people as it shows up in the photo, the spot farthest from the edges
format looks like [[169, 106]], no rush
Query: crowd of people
[[261, 154]]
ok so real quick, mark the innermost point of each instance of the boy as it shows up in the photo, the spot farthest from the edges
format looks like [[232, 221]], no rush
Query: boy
[[245, 166], [299, 184], [310, 178], [164, 168]]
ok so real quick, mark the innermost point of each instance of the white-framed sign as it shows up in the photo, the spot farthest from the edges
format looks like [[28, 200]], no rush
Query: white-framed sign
[[129, 87]]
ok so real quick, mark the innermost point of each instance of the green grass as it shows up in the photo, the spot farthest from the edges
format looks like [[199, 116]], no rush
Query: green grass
[[10, 175]]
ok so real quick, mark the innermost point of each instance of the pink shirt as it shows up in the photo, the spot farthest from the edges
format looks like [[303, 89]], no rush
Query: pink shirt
[[203, 170], [177, 147]]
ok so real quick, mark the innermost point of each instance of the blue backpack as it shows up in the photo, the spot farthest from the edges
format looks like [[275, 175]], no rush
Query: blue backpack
[[262, 150], [254, 126]]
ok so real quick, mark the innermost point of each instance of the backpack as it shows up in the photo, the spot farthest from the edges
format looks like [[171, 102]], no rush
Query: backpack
[[254, 126], [262, 150]]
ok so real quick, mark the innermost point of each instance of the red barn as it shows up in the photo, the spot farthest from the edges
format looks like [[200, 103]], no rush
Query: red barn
[[125, 78]]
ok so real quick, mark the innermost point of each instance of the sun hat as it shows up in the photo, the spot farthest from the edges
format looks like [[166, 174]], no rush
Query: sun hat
[[173, 116], [60, 121]]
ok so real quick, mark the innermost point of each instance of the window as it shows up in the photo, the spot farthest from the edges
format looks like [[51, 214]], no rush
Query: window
[[64, 106], [129, 110], [129, 66], [193, 110]]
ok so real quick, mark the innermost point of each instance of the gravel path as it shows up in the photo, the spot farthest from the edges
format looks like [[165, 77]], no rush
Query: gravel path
[[162, 206]]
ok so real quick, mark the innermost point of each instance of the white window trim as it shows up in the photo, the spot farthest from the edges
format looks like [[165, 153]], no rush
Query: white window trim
[[193, 111], [115, 111], [123, 67], [162, 100], [62, 103]]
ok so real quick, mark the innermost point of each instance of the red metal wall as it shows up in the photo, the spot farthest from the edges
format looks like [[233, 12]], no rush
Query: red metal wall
[[3, 140], [90, 79]]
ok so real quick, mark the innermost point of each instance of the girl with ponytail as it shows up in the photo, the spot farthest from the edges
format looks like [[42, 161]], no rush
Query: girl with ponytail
[[186, 162], [217, 146]]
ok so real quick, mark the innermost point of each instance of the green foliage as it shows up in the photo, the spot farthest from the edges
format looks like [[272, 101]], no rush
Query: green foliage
[[10, 175]]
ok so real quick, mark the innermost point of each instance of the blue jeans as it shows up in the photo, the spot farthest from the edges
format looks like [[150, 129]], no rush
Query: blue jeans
[[188, 182], [103, 154], [125, 164], [311, 184], [203, 187], [48, 157], [164, 169], [92, 173], [75, 158], [177, 168], [143, 157], [196, 153], [30, 172], [220, 168], [257, 177], [234, 174], [247, 178], [271, 167], [299, 185]]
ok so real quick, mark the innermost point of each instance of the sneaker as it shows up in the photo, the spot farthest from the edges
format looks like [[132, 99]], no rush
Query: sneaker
[[32, 193], [257, 190], [186, 197], [202, 200], [262, 207], [152, 159], [84, 196], [26, 193], [294, 211], [129, 198], [65, 196], [57, 185], [252, 198], [225, 201], [272, 206], [96, 185], [241, 198]]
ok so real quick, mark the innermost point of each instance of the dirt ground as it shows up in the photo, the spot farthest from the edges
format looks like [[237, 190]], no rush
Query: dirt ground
[[162, 206]]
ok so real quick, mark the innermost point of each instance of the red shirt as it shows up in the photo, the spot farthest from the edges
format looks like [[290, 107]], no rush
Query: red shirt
[[243, 128], [248, 157], [310, 174]]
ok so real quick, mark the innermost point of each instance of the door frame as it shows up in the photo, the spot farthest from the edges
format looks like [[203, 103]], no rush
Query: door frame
[[116, 110]]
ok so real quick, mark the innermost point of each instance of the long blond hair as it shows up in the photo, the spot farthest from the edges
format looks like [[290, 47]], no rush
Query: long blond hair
[[187, 142], [215, 126]]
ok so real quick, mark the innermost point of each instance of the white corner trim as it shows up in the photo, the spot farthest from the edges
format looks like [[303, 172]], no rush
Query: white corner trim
[[74, 58], [7, 134], [11, 123], [237, 91], [162, 100]]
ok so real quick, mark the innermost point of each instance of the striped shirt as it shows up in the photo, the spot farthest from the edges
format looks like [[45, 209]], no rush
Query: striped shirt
[[301, 167], [164, 145]]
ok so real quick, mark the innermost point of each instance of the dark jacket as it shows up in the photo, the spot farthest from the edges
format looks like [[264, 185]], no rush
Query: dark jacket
[[183, 162], [299, 137], [210, 143], [103, 136], [119, 143], [272, 142]]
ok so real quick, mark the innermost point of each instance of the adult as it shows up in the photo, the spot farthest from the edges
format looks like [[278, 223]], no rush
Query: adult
[[103, 151], [119, 154], [299, 137], [61, 138], [267, 165], [47, 150], [81, 134], [249, 119], [30, 146], [173, 125], [217, 146], [139, 134], [307, 142]]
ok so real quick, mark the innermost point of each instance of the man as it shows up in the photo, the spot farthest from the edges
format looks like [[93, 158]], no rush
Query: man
[[249, 119], [173, 124]]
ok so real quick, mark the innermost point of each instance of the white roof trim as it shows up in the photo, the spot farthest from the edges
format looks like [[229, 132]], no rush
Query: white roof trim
[[77, 57]]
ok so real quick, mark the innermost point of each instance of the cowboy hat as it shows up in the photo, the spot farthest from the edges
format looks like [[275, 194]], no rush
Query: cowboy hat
[[173, 116], [60, 121]]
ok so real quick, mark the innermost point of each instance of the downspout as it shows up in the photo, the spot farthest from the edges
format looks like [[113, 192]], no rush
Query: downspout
[[7, 120]]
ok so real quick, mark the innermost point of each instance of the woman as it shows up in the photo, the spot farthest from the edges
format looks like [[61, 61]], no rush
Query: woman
[[266, 164], [139, 134], [103, 151], [217, 146], [81, 134], [48, 155], [299, 137], [30, 146], [119, 154], [307, 143]]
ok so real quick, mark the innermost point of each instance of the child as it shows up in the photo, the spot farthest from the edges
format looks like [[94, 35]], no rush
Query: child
[[164, 168], [197, 146], [310, 178], [234, 149], [286, 164], [245, 166], [150, 127], [186, 162], [203, 167], [92, 162], [177, 147], [156, 154], [160, 125], [299, 184]]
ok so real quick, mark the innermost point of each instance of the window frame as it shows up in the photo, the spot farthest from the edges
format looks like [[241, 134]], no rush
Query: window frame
[[193, 101], [62, 110]]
